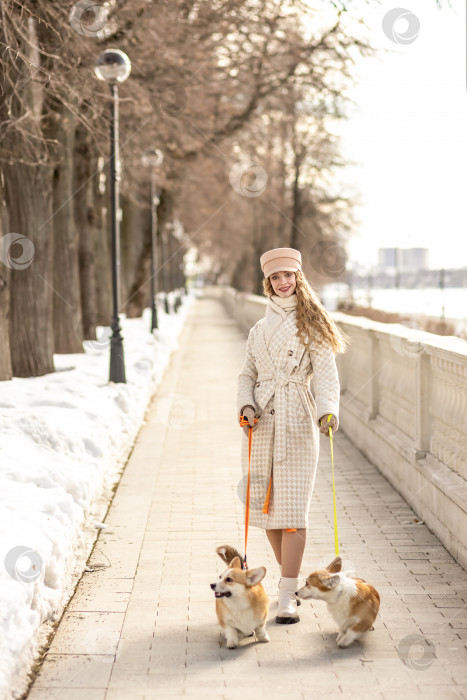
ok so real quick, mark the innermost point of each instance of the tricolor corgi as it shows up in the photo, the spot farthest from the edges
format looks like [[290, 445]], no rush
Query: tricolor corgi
[[241, 602], [352, 602]]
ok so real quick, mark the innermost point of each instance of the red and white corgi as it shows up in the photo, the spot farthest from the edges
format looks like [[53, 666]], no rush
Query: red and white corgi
[[241, 602], [352, 602]]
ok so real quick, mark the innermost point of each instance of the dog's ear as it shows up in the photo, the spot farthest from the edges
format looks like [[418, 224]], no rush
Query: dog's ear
[[254, 576], [334, 566], [330, 581], [235, 563]]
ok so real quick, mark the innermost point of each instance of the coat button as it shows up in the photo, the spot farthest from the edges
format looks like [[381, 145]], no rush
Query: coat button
[[272, 411], [257, 383], [290, 353]]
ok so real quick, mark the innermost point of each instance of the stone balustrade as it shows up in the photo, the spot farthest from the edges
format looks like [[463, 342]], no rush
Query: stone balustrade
[[404, 405]]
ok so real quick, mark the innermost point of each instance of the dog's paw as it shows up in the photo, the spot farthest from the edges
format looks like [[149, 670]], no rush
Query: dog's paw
[[232, 645], [342, 643], [263, 638], [346, 639]]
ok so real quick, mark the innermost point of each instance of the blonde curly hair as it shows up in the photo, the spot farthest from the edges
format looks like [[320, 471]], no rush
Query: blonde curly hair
[[313, 321]]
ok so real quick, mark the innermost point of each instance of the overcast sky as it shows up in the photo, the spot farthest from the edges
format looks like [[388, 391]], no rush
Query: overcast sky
[[410, 136]]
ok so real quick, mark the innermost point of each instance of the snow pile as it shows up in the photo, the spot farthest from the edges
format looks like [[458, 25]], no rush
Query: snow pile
[[64, 439]]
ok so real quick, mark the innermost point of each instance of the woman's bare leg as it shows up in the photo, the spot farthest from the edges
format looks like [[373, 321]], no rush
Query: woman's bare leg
[[275, 539], [293, 546]]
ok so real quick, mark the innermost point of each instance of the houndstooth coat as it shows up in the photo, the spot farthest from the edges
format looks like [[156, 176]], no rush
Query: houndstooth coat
[[275, 380]]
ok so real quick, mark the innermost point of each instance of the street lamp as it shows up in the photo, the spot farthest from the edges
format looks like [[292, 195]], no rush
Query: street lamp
[[113, 66], [152, 158]]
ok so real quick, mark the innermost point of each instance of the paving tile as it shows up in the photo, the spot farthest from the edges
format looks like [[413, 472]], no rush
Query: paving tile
[[397, 694], [458, 624], [447, 692], [50, 693], [88, 633], [75, 671], [112, 595]]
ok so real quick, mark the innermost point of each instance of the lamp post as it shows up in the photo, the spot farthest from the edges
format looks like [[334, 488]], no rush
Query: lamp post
[[113, 66], [152, 158]]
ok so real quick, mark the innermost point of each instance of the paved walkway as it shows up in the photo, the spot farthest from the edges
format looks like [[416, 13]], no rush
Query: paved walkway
[[145, 625]]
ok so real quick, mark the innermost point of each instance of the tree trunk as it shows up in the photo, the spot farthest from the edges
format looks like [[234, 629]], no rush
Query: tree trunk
[[68, 329], [296, 204], [139, 294], [258, 251], [28, 194], [133, 239], [84, 220], [5, 359]]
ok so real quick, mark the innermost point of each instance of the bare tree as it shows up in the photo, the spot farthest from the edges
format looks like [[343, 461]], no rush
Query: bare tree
[[213, 81]]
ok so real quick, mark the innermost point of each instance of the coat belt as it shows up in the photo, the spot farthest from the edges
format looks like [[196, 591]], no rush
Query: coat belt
[[281, 380]]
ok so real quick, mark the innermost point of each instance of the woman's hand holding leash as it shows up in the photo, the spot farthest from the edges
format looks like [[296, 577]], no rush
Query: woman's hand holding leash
[[249, 414], [325, 424]]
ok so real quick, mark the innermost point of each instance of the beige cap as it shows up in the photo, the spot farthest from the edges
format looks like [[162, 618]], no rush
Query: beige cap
[[278, 259]]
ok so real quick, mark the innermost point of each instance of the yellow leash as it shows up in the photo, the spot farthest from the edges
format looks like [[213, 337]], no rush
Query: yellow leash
[[336, 541]]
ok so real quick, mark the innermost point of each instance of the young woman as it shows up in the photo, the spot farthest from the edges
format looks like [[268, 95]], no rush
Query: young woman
[[293, 343]]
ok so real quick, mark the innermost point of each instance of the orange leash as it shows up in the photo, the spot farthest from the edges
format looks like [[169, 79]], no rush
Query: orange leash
[[243, 422], [268, 498]]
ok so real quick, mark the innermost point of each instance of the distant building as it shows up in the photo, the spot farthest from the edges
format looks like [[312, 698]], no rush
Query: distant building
[[402, 259], [387, 258]]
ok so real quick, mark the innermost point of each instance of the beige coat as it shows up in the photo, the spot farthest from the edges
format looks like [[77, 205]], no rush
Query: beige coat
[[275, 380]]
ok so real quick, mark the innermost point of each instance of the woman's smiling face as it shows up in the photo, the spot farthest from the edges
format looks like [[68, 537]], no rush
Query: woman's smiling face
[[283, 283]]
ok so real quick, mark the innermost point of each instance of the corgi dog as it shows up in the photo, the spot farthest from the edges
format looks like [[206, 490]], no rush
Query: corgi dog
[[352, 602], [241, 602]]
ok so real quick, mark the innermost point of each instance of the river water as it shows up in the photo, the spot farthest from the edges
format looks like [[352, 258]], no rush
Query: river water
[[428, 301]]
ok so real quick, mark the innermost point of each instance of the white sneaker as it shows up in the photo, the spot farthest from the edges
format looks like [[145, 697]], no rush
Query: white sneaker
[[287, 609]]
